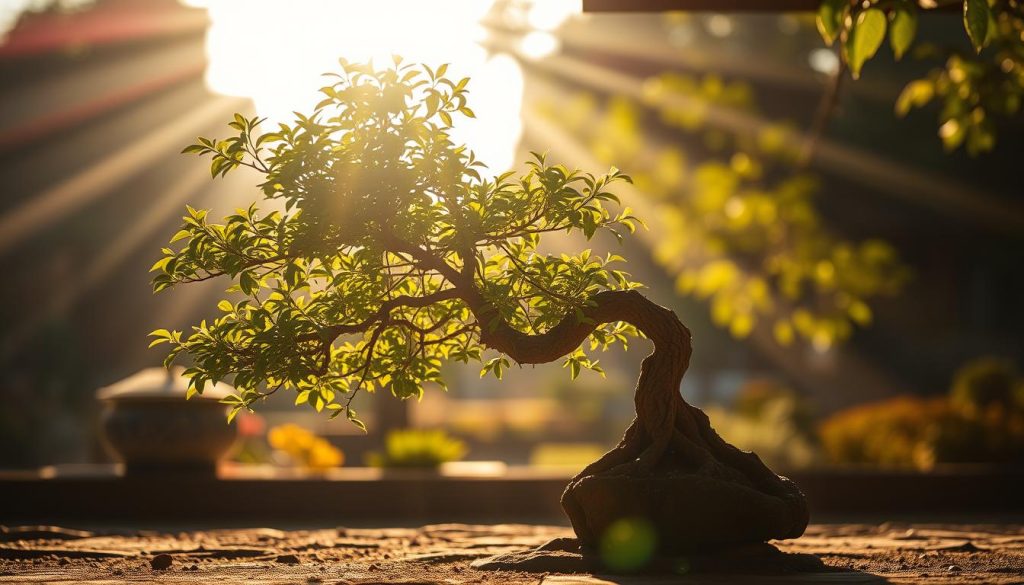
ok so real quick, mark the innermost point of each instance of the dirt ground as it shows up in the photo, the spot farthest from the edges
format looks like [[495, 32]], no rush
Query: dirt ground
[[852, 553]]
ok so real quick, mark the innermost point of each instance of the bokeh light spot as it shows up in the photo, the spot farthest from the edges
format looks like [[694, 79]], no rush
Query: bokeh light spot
[[628, 544]]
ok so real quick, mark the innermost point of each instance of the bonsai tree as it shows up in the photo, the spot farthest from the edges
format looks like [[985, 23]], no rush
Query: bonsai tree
[[387, 253]]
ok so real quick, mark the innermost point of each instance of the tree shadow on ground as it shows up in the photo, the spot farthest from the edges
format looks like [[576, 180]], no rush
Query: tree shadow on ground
[[756, 563]]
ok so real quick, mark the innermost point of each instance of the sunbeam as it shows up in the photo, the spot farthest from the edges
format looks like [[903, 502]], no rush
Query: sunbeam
[[112, 254], [898, 180], [47, 208], [310, 35]]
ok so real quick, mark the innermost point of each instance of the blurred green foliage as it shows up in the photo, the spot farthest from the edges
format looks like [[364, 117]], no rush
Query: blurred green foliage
[[988, 382], [980, 421], [739, 228], [418, 448], [973, 87]]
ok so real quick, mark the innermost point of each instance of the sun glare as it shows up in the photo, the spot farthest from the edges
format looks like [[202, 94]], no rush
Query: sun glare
[[275, 52]]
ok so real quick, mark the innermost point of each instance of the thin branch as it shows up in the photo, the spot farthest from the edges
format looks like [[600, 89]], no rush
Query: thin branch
[[529, 278], [826, 109], [333, 331], [423, 257], [460, 331]]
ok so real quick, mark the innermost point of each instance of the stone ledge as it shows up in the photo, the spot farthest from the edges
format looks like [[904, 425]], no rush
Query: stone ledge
[[360, 494]]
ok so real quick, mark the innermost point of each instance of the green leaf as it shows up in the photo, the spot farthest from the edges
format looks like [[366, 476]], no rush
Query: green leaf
[[915, 94], [171, 356], [354, 419], [830, 18], [180, 235], [902, 30], [161, 263], [494, 365], [247, 282], [865, 38], [976, 17]]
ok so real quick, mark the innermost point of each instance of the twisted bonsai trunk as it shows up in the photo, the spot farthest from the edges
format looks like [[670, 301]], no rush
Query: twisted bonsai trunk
[[671, 468], [670, 453]]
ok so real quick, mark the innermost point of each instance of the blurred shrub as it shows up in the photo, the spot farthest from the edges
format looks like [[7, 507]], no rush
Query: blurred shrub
[[577, 455], [889, 433], [988, 381], [773, 420], [304, 448], [418, 448], [981, 421]]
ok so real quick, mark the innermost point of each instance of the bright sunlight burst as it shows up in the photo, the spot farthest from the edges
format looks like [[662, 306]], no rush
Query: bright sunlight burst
[[281, 73]]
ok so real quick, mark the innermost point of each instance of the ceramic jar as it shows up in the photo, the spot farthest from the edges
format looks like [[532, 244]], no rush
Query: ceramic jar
[[149, 425]]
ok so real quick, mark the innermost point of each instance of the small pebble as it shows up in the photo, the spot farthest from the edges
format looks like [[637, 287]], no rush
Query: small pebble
[[954, 569], [288, 559], [161, 562]]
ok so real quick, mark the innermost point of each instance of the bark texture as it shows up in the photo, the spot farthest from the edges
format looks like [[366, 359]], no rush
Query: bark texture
[[671, 468]]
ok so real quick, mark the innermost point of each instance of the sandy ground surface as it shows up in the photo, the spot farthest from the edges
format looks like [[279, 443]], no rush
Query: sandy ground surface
[[852, 553]]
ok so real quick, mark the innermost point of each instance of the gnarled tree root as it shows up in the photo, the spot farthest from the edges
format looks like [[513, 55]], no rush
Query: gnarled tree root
[[674, 471], [696, 495]]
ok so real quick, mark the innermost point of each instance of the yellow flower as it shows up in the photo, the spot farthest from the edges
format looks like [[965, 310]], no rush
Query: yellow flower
[[305, 448]]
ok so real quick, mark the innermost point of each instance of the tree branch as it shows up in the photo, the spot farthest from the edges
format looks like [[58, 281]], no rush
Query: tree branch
[[333, 331], [424, 258], [656, 322]]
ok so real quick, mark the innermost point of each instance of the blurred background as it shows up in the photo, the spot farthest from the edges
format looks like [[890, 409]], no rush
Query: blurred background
[[852, 278]]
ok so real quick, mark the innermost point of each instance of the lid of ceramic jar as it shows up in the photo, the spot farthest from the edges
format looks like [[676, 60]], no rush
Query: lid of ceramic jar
[[153, 383]]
